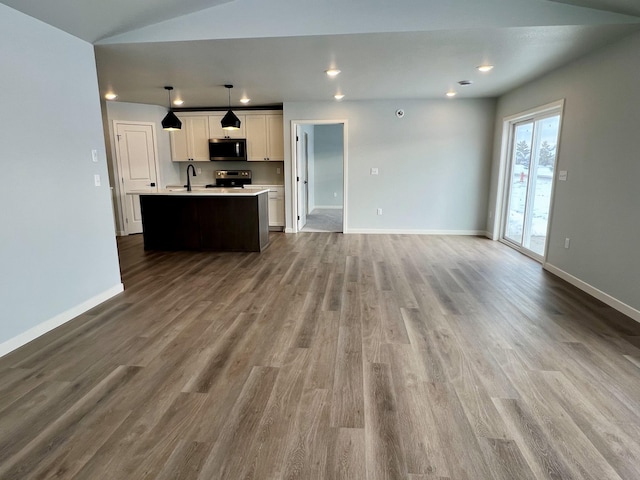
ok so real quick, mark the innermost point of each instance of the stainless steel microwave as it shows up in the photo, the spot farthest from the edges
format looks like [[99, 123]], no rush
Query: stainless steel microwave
[[227, 149]]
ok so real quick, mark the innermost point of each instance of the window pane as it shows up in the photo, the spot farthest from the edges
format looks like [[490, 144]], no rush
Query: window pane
[[519, 182], [542, 181]]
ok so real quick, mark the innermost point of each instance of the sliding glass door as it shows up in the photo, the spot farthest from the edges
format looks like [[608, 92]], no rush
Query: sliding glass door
[[533, 152]]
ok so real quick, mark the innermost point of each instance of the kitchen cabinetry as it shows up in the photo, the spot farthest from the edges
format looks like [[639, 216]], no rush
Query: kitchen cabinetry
[[263, 131], [191, 143], [276, 206], [192, 221], [216, 131], [265, 139]]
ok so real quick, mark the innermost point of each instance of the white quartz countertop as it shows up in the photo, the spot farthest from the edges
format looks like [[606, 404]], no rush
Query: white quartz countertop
[[198, 191]]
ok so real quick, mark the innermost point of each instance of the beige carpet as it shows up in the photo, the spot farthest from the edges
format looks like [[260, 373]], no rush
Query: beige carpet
[[324, 220]]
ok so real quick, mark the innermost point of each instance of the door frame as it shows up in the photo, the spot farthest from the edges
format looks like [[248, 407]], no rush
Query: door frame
[[118, 179], [506, 153], [294, 167], [302, 145]]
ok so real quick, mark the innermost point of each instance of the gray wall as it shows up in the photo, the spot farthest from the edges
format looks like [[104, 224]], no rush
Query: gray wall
[[328, 165], [434, 164], [597, 208], [57, 247]]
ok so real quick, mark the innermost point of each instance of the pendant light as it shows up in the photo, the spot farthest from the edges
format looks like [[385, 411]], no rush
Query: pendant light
[[170, 122], [230, 121]]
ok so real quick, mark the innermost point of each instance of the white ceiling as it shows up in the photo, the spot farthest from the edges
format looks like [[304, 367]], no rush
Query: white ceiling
[[276, 50], [628, 7], [93, 20]]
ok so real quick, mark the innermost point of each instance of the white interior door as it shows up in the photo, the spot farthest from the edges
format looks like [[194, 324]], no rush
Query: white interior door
[[302, 157], [137, 165]]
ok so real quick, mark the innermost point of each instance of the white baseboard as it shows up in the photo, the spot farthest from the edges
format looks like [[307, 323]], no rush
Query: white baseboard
[[327, 207], [288, 230], [392, 231], [64, 317], [613, 302]]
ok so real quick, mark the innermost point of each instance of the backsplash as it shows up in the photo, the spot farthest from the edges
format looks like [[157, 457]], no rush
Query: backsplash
[[263, 173]]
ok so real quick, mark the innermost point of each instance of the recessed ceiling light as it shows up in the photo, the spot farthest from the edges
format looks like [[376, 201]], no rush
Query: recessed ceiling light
[[485, 68], [110, 96], [464, 83], [245, 100], [177, 101], [451, 94], [338, 96], [332, 72]]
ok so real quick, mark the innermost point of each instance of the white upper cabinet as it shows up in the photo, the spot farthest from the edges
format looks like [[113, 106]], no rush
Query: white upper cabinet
[[265, 140], [275, 137], [191, 143], [256, 137], [216, 131], [263, 131]]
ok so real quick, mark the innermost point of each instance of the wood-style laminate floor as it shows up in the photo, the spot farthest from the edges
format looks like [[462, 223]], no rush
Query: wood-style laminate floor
[[329, 357]]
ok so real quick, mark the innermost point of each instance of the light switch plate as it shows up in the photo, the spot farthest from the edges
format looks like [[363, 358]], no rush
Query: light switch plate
[[374, 171], [96, 180], [94, 156], [562, 176]]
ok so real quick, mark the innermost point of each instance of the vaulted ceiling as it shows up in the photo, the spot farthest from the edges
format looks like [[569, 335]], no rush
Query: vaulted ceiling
[[275, 51]]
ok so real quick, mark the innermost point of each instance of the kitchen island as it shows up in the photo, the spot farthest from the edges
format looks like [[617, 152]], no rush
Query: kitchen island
[[219, 219]]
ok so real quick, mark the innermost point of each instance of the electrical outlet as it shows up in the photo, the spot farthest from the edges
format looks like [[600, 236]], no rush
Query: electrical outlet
[[198, 170], [278, 170], [96, 180], [335, 194], [374, 171], [566, 243], [379, 211], [94, 156]]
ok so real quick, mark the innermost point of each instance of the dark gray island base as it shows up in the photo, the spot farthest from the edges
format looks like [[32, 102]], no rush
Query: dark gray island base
[[205, 222]]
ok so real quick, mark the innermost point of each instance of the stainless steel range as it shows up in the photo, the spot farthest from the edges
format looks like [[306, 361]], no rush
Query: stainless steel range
[[231, 178]]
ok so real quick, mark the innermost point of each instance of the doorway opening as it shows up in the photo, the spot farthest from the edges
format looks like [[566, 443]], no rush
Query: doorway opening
[[319, 167], [530, 171]]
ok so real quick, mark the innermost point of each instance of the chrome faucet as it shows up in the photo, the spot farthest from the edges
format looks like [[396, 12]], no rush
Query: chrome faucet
[[189, 178]]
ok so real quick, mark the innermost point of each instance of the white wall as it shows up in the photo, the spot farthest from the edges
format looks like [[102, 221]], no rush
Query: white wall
[[434, 164], [597, 208], [328, 166], [57, 247]]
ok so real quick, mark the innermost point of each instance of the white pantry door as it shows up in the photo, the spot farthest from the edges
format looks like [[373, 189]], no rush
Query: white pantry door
[[137, 164]]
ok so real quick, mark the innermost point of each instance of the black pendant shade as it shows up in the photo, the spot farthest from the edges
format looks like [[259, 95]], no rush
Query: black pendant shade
[[230, 121], [170, 122]]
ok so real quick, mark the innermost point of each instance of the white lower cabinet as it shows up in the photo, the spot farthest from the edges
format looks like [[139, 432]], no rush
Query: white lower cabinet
[[276, 207]]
